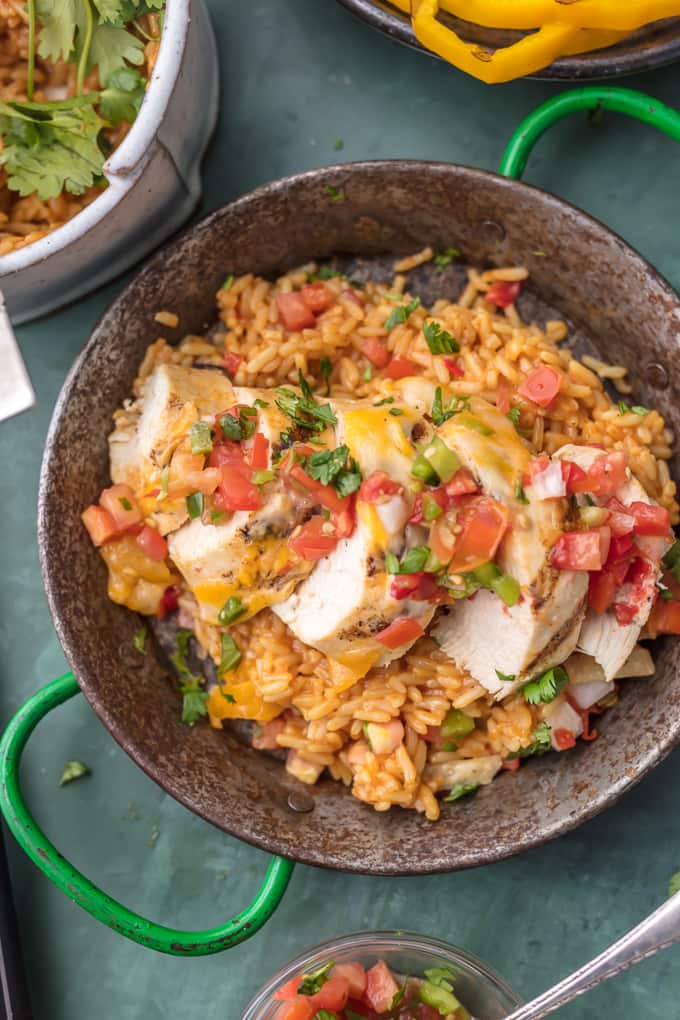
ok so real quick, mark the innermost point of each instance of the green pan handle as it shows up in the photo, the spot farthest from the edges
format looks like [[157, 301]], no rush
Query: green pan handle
[[635, 104], [83, 892]]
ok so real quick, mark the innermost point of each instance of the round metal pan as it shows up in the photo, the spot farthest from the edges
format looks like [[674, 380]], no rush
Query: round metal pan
[[652, 46], [617, 305]]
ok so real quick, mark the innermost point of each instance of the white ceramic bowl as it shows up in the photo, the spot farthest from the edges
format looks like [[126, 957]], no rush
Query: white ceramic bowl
[[154, 178]]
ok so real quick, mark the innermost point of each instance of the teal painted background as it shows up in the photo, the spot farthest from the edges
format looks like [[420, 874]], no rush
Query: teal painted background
[[297, 75]]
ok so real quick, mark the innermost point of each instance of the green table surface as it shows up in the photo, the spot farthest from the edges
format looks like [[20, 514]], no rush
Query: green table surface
[[296, 76]]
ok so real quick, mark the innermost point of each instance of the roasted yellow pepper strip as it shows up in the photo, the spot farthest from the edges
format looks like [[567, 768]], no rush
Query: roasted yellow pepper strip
[[526, 56], [622, 15]]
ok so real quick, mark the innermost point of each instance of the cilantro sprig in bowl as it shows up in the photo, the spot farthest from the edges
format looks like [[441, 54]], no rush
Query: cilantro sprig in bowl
[[86, 180], [389, 975]]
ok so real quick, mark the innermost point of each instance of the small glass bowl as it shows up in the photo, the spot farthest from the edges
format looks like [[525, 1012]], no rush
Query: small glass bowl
[[481, 991]]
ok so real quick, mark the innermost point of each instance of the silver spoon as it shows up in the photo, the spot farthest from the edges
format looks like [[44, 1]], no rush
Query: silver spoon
[[658, 931]]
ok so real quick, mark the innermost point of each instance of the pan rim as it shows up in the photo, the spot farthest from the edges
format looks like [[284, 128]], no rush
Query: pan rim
[[286, 847]]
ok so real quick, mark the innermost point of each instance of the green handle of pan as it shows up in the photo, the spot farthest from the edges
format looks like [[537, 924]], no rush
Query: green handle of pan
[[634, 104], [79, 888]]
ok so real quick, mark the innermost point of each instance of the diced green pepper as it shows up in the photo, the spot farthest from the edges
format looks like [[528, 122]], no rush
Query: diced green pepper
[[232, 609], [444, 461], [231, 655], [200, 438], [414, 560], [431, 508], [507, 589], [423, 470], [487, 574], [457, 724], [440, 998], [262, 477], [593, 516], [195, 505]]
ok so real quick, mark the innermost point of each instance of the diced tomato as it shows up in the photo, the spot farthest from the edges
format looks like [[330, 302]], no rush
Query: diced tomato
[[503, 293], [482, 521], [381, 987], [228, 453], [259, 455], [354, 974], [572, 474], [332, 995], [294, 312], [605, 475], [462, 484], [288, 991], [400, 632], [379, 487], [419, 586], [602, 586], [325, 495], [152, 544], [438, 495], [541, 386], [360, 1009], [585, 714], [314, 540], [400, 368], [650, 519], [624, 613], [169, 601], [454, 368], [344, 521], [236, 491], [231, 362], [511, 765], [316, 296], [620, 520], [299, 1008], [120, 502], [581, 550], [621, 553], [100, 524], [504, 392], [564, 739], [664, 618], [375, 351]]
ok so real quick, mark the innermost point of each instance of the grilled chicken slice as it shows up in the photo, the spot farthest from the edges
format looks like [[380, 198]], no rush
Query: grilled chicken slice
[[246, 555], [347, 599], [174, 398], [482, 634], [602, 636]]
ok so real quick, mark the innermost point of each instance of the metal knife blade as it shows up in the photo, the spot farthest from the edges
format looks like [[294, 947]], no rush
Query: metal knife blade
[[16, 392]]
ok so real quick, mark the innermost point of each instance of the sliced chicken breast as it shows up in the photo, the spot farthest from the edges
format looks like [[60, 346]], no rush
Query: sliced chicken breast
[[602, 636], [246, 555], [347, 600], [482, 634]]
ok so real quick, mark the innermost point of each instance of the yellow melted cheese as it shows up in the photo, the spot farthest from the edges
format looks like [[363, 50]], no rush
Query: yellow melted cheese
[[378, 442]]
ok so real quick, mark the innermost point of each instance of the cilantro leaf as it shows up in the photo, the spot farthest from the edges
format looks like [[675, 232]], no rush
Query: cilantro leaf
[[313, 982], [193, 703], [440, 414], [401, 313], [545, 688], [112, 48], [335, 194], [327, 273], [51, 146], [303, 410], [438, 340], [672, 559], [446, 257], [139, 640], [326, 369], [73, 770], [541, 742], [520, 494], [119, 12], [59, 21], [336, 468], [122, 98], [230, 655], [461, 790], [506, 678], [325, 1014]]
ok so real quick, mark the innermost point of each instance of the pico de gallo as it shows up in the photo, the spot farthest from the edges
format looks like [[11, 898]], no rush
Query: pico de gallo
[[348, 991]]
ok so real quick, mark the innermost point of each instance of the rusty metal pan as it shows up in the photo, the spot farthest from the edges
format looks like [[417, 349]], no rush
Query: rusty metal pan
[[618, 306]]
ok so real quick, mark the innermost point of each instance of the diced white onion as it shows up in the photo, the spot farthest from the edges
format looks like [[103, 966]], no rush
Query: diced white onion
[[588, 694], [549, 483]]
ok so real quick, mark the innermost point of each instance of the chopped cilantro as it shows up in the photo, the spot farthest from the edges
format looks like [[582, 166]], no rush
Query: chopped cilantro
[[229, 282], [230, 655], [217, 516], [461, 790], [326, 369], [303, 410], [258, 402], [440, 414], [625, 408], [546, 687], [672, 559], [239, 428], [412, 563], [540, 254], [327, 273], [339, 144], [384, 401], [335, 194], [228, 697], [73, 770], [125, 503], [513, 415], [506, 678], [541, 741], [368, 373], [193, 702], [401, 313], [336, 468], [396, 412], [139, 640], [438, 340], [325, 1014], [449, 745], [262, 477], [314, 981], [121, 100], [446, 257]]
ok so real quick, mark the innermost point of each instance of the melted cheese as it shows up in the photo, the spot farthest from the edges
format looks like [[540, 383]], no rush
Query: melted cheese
[[368, 516], [378, 442]]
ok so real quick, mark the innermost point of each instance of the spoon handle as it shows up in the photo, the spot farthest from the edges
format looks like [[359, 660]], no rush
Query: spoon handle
[[658, 931]]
